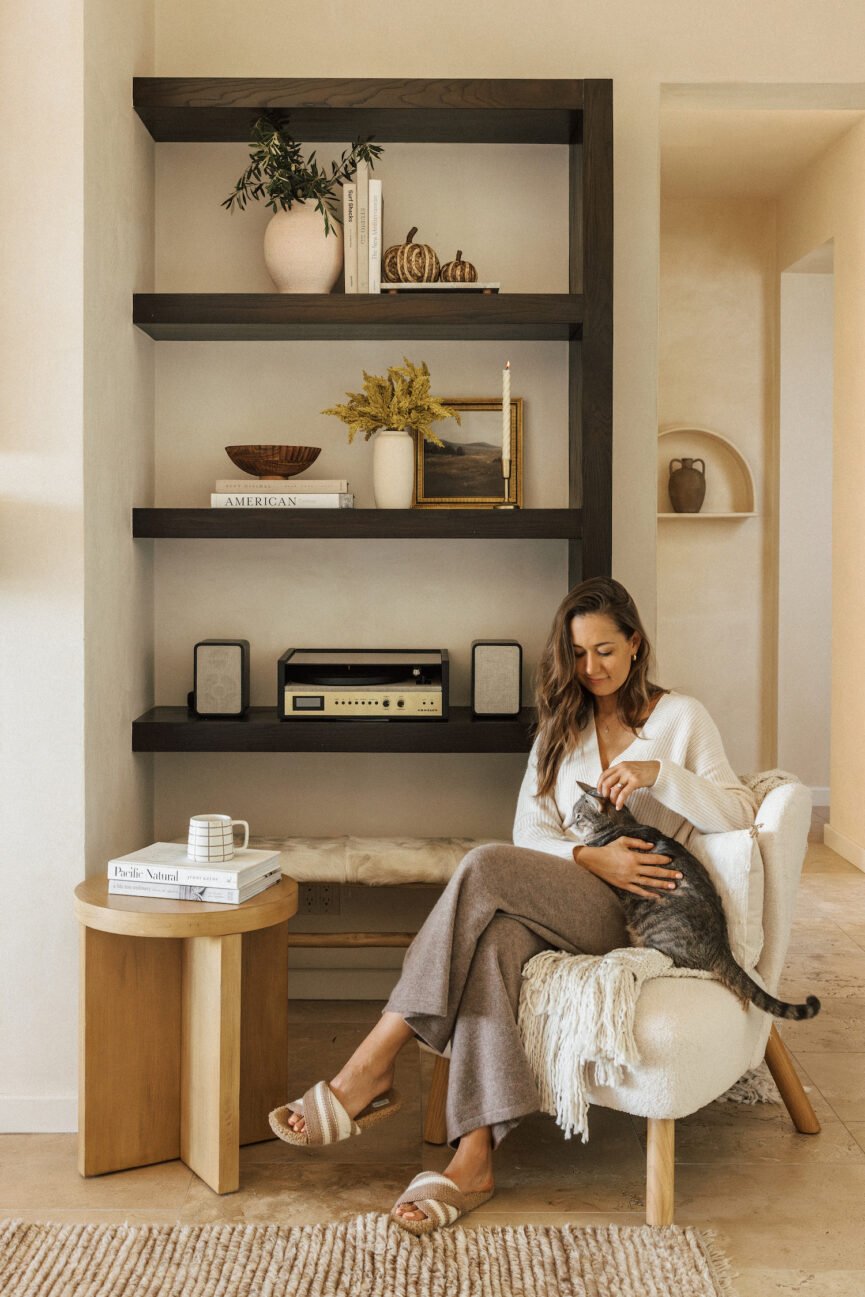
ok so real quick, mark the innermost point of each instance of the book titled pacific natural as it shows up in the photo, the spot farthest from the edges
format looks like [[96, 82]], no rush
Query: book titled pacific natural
[[165, 870]]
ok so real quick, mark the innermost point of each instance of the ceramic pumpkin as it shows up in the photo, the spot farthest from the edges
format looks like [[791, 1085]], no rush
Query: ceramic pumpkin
[[410, 263], [459, 271]]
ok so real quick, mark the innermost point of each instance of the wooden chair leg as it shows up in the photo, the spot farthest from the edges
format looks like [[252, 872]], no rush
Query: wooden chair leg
[[784, 1074], [434, 1128], [660, 1170]]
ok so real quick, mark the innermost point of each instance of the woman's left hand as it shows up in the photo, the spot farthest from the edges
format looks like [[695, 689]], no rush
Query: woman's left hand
[[618, 782]]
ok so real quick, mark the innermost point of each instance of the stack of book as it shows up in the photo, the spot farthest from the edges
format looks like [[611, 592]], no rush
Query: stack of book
[[282, 493], [361, 232], [164, 870]]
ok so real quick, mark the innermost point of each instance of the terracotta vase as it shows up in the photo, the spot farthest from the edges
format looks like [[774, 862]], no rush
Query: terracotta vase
[[393, 469], [299, 256], [687, 485]]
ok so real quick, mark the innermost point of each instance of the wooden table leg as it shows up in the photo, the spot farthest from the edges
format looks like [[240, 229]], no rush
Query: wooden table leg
[[128, 1051], [210, 1060], [263, 1030]]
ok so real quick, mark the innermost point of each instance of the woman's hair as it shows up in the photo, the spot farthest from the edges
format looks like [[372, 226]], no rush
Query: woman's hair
[[563, 705]]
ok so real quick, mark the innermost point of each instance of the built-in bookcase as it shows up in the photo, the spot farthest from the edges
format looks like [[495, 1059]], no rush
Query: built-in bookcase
[[574, 114]]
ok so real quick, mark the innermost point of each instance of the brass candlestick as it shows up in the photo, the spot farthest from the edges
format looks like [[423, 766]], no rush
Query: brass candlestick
[[506, 474]]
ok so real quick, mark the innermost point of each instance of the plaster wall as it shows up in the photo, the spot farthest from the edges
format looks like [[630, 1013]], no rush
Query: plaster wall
[[716, 370], [826, 203], [805, 529], [42, 565]]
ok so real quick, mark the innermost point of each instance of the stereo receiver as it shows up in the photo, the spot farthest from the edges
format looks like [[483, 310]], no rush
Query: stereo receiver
[[363, 684]]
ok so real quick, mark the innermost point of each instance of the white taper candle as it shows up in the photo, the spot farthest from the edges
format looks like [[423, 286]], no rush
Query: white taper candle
[[506, 418]]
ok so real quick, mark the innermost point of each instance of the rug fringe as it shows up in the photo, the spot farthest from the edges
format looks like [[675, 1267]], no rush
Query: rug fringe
[[756, 1086], [719, 1263]]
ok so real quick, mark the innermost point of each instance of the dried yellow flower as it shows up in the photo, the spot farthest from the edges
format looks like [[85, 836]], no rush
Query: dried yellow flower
[[402, 400]]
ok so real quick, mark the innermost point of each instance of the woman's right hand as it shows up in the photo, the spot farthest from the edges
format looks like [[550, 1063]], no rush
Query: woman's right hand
[[627, 863]]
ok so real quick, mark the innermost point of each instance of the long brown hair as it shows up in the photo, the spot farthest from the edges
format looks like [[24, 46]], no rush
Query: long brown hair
[[564, 706]]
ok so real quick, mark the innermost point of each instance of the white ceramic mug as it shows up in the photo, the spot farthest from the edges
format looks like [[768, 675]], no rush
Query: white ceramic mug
[[211, 837]]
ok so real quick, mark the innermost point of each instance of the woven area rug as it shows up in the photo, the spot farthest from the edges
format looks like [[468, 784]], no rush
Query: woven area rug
[[368, 1255]]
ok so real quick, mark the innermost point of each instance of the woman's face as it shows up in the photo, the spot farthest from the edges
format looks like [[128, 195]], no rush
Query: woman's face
[[603, 654]]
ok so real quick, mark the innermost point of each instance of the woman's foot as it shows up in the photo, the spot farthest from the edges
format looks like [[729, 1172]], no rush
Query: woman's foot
[[470, 1168], [355, 1087]]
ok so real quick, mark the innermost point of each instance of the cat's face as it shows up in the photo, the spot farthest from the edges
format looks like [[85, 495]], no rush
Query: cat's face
[[593, 815]]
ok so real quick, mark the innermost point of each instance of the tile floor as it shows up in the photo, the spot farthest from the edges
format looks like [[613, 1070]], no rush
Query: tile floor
[[788, 1208]]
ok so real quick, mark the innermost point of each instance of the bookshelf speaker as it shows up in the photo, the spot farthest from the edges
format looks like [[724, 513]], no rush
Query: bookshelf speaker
[[221, 680], [497, 677]]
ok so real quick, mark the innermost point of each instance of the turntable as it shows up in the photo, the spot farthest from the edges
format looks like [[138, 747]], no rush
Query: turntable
[[363, 684]]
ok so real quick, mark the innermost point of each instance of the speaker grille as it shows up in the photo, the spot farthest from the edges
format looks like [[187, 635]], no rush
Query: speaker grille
[[219, 674], [496, 679]]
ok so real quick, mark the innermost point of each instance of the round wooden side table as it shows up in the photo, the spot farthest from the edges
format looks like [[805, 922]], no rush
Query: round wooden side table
[[183, 1028]]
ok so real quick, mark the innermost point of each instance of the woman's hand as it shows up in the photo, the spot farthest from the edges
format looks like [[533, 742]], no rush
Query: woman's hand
[[626, 864], [618, 782]]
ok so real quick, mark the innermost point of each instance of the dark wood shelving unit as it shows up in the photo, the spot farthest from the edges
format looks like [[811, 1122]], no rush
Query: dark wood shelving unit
[[175, 729], [251, 317], [575, 114], [357, 524]]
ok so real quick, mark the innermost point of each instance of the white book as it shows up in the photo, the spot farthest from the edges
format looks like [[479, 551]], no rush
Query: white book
[[275, 485], [190, 892], [349, 235], [375, 199], [167, 862], [362, 181], [282, 500]]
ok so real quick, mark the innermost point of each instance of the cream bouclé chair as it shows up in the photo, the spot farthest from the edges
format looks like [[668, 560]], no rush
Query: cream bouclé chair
[[694, 1038]]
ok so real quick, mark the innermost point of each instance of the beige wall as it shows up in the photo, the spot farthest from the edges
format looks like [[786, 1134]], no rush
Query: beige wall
[[827, 203], [805, 529], [716, 370]]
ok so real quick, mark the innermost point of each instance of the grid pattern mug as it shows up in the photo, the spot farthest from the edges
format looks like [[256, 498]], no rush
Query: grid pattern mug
[[211, 837]]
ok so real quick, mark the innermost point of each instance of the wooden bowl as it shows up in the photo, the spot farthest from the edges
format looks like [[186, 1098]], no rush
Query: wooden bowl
[[273, 461]]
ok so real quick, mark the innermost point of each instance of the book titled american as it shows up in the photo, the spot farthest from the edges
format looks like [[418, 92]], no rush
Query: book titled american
[[168, 862], [282, 500]]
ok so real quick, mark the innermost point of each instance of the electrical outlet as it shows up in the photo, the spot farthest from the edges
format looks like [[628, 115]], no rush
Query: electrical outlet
[[319, 898]]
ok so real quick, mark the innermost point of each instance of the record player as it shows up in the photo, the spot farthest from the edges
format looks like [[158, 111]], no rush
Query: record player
[[363, 684]]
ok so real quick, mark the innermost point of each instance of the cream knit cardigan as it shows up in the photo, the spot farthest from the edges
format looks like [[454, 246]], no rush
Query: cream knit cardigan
[[696, 788]]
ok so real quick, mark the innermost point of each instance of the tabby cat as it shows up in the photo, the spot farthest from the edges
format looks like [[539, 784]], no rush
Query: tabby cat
[[686, 923]]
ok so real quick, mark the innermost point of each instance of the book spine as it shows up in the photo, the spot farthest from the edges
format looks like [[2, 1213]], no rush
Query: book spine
[[281, 500], [375, 198], [173, 875], [362, 180], [349, 235], [188, 891], [281, 486]]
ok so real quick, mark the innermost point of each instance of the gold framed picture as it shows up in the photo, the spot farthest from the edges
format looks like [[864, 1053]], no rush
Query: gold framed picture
[[466, 473]]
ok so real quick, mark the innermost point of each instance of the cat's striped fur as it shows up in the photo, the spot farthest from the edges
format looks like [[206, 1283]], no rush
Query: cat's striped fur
[[687, 923]]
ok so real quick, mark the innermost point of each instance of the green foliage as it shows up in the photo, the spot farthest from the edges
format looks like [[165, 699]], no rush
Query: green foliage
[[279, 172], [402, 400]]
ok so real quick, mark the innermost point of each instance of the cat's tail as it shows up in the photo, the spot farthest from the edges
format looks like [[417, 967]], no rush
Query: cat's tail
[[738, 981]]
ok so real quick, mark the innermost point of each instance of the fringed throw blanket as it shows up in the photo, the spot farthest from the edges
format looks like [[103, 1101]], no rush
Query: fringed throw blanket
[[577, 1012]]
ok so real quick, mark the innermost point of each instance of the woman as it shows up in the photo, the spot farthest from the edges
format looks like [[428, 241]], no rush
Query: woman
[[602, 721]]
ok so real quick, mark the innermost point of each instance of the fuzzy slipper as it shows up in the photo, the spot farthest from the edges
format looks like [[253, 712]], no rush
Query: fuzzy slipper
[[326, 1120], [442, 1200]]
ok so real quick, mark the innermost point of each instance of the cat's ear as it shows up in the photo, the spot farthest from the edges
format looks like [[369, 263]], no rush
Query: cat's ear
[[587, 788]]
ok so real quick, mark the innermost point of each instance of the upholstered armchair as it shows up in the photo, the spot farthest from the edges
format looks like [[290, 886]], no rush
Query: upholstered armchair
[[694, 1038]]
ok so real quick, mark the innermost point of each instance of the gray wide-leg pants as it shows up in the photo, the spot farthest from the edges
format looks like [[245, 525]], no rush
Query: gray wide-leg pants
[[462, 972]]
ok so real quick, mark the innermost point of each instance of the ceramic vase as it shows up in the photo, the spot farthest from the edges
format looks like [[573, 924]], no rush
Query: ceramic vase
[[299, 256], [393, 469], [687, 485]]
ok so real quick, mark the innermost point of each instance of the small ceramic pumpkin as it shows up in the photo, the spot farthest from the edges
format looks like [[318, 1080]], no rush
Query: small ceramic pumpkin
[[410, 263], [459, 271]]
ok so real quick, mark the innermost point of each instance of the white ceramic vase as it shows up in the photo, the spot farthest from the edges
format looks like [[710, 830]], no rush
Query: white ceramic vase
[[393, 469], [299, 256]]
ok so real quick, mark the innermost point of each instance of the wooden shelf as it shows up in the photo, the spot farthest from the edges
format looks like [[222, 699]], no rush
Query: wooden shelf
[[357, 524], [218, 317], [175, 729], [212, 109]]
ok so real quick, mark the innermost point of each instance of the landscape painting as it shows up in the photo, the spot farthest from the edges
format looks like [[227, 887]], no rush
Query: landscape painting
[[467, 471]]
